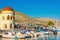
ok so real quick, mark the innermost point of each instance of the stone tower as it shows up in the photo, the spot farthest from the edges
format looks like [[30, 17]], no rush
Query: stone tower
[[7, 19]]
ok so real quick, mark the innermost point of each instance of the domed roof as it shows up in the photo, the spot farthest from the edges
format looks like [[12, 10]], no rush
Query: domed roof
[[7, 9]]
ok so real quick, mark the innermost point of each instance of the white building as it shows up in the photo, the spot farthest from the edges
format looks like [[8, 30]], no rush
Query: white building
[[7, 19]]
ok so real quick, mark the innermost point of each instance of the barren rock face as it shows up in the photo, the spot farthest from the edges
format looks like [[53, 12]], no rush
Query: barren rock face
[[20, 17]]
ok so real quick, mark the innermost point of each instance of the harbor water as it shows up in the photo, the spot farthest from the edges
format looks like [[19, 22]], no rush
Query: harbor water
[[46, 37]]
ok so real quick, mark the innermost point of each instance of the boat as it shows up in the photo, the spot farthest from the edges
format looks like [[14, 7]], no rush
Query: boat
[[17, 35], [37, 34], [12, 35], [20, 35]]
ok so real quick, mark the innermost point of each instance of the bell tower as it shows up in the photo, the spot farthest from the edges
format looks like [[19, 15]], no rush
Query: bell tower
[[7, 19]]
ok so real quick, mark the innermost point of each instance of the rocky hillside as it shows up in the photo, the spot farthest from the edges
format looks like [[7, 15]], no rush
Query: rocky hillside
[[20, 17]]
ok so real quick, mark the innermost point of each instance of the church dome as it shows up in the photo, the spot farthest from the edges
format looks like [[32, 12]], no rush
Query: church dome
[[7, 9]]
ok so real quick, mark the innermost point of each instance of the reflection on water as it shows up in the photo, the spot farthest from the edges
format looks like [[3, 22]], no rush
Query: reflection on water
[[10, 39], [22, 39], [54, 37]]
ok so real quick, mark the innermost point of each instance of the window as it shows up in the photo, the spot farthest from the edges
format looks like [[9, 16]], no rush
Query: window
[[5, 26], [10, 25], [8, 17], [3, 17], [11, 17]]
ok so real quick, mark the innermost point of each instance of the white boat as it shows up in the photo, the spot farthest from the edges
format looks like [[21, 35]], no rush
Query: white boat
[[46, 33], [36, 34], [30, 34], [10, 35], [19, 35]]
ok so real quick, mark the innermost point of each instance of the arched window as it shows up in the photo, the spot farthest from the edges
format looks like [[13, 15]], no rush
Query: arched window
[[10, 25], [11, 18], [8, 17], [3, 17], [5, 26]]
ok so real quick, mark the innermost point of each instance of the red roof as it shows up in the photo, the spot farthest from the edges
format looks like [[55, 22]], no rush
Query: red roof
[[7, 9]]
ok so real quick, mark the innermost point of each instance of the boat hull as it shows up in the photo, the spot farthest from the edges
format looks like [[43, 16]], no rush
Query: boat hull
[[13, 36]]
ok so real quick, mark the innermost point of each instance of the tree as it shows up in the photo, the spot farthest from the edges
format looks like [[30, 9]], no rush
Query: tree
[[50, 23]]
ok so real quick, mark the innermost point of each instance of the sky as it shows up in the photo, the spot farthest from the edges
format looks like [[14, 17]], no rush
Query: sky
[[35, 8]]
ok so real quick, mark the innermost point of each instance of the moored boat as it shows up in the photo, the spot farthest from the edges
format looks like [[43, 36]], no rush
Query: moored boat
[[11, 35]]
